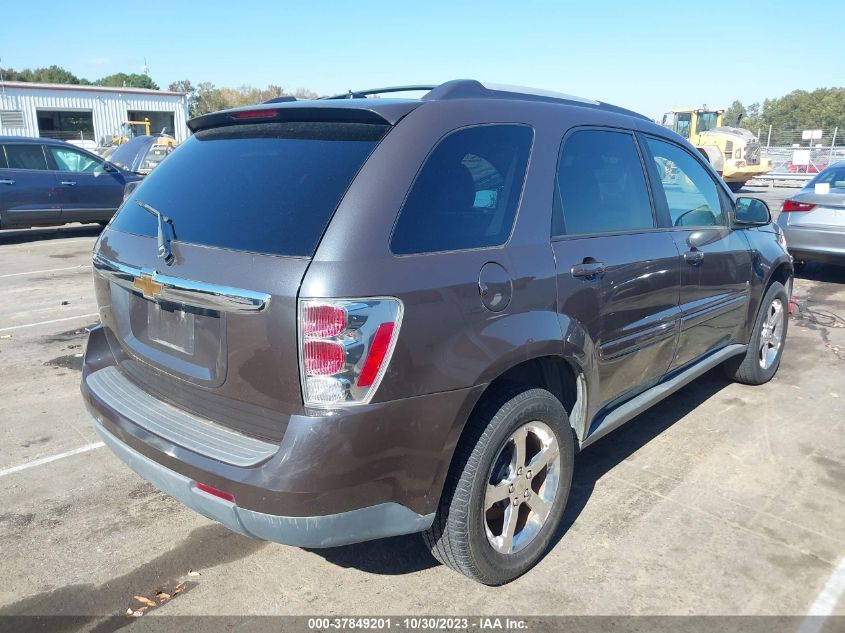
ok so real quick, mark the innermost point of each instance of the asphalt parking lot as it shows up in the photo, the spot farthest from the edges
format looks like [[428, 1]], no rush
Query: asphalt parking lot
[[724, 499]]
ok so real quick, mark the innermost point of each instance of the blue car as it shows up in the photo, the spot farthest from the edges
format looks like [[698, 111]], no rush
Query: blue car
[[47, 182]]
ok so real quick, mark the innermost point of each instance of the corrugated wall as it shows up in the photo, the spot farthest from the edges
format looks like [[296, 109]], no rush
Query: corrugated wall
[[109, 108]]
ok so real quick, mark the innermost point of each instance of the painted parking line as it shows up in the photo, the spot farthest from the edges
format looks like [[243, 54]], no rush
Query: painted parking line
[[48, 270], [52, 458], [825, 602], [71, 318]]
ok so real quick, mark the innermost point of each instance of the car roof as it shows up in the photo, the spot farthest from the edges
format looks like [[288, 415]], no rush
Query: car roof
[[358, 106], [30, 140]]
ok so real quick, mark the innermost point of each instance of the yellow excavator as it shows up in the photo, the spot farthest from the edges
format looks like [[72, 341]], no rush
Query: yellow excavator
[[733, 151]]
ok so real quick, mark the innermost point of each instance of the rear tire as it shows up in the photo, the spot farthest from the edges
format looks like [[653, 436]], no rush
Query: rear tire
[[735, 186], [494, 485], [761, 360]]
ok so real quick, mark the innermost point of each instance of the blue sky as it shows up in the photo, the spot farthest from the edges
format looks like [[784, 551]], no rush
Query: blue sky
[[647, 56]]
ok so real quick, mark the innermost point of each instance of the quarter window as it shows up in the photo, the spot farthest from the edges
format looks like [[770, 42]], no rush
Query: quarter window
[[600, 185], [26, 157], [692, 196], [467, 192], [71, 160]]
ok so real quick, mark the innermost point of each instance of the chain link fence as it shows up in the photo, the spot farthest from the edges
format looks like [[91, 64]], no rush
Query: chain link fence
[[796, 159]]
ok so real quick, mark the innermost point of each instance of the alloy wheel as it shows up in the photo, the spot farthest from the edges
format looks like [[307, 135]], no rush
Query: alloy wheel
[[521, 487]]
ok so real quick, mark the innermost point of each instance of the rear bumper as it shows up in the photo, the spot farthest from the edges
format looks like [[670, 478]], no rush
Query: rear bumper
[[814, 242], [337, 477], [382, 520]]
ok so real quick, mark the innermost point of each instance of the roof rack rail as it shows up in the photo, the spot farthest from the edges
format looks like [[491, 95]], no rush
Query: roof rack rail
[[362, 94], [472, 89]]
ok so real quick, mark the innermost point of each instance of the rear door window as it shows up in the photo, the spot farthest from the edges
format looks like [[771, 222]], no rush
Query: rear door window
[[26, 157], [467, 192], [600, 185], [267, 188]]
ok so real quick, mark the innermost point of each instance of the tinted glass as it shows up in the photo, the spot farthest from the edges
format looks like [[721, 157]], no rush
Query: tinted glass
[[268, 188], [466, 193], [3, 163], [601, 186], [691, 194], [26, 157], [71, 160]]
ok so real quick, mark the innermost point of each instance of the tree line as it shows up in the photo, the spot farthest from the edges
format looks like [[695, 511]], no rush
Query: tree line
[[206, 97], [821, 109], [203, 98], [59, 75]]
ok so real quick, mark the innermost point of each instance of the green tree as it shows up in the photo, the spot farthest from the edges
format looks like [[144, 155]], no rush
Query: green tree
[[50, 75], [122, 80], [184, 85]]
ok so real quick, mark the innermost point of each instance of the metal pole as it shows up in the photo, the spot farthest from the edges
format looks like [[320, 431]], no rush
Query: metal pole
[[832, 143], [769, 140]]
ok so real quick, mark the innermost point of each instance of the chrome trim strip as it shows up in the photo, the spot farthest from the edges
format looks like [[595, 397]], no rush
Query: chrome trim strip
[[185, 291]]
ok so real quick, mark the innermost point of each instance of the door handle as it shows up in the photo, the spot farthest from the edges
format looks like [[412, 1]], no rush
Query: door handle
[[694, 257], [6, 181], [588, 271], [69, 183]]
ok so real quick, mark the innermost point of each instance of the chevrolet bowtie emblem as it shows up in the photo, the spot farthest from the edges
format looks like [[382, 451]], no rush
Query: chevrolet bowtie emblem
[[148, 287]]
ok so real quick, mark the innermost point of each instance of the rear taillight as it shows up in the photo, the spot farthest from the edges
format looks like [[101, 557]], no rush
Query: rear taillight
[[792, 205], [345, 348], [323, 358]]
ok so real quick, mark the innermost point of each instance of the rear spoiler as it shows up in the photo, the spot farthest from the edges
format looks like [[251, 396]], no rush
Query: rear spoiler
[[351, 111]]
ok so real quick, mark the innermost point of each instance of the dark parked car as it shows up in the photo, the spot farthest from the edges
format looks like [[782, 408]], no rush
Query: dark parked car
[[45, 182], [331, 321], [813, 220]]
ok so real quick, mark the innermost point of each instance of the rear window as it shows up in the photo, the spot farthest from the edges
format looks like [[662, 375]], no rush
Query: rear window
[[26, 157], [834, 176], [466, 193], [268, 188]]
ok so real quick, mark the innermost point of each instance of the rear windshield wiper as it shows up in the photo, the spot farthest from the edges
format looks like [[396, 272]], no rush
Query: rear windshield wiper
[[165, 251]]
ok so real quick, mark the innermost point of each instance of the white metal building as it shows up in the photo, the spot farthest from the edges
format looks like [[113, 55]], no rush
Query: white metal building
[[87, 113]]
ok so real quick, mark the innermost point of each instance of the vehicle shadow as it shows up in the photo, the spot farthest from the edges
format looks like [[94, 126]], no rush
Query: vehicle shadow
[[825, 272], [40, 234], [386, 557], [407, 554], [600, 458]]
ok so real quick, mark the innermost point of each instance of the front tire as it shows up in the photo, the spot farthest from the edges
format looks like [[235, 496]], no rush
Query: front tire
[[762, 358], [507, 487], [735, 186]]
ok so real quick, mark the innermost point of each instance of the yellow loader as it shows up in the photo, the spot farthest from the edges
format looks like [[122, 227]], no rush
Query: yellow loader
[[733, 151]]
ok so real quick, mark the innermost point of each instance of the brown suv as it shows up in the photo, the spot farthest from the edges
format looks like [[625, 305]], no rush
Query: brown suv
[[337, 320]]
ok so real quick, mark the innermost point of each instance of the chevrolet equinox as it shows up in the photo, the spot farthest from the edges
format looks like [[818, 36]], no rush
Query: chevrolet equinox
[[351, 318]]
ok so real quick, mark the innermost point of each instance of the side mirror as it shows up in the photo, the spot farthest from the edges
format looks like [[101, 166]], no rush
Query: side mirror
[[752, 212]]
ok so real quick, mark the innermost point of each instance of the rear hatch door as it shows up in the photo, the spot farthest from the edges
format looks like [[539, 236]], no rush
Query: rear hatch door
[[243, 208]]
